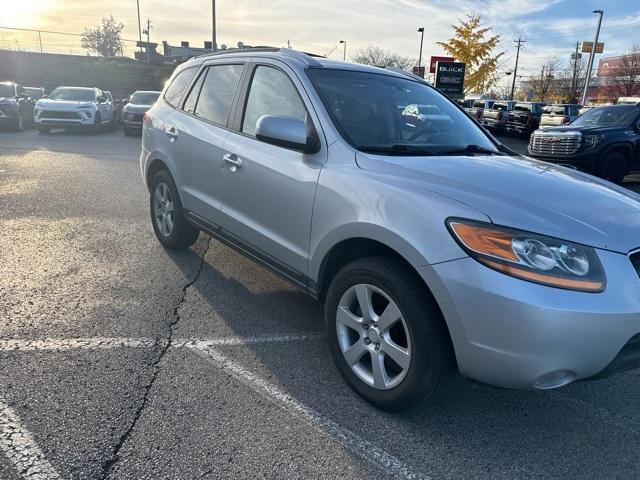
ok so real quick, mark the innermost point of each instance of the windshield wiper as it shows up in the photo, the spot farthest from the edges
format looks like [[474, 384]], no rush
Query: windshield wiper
[[468, 150], [396, 149]]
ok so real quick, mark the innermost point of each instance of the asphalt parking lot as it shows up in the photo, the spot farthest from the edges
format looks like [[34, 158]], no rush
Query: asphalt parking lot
[[121, 360]]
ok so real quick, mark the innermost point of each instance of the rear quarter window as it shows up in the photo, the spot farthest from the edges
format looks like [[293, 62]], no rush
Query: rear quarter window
[[175, 91]]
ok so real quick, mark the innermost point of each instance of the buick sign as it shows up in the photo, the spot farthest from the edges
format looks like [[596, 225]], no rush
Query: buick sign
[[450, 77]]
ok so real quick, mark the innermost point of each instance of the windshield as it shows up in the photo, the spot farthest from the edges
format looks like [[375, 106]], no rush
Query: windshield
[[144, 98], [378, 112], [608, 117], [73, 94], [34, 92], [7, 90]]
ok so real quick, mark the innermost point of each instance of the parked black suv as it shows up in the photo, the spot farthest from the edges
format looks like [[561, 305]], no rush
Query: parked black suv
[[16, 108], [524, 118], [604, 141]]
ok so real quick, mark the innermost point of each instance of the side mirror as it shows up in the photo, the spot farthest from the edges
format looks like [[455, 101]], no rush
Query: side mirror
[[286, 132]]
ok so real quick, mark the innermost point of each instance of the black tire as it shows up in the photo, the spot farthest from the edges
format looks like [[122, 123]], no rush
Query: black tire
[[18, 126], [614, 168], [127, 132], [182, 234], [97, 123], [44, 130], [428, 338]]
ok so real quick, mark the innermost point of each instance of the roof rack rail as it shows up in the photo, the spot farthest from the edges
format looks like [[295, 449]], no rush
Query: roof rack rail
[[302, 56], [404, 73]]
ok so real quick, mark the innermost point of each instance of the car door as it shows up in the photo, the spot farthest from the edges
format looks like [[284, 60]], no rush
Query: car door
[[269, 190], [199, 130]]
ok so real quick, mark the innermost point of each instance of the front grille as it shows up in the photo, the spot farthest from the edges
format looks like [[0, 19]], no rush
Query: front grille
[[54, 115], [635, 261], [137, 117], [554, 144]]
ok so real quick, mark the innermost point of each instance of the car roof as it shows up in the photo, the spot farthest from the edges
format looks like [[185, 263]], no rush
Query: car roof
[[296, 57], [146, 91], [79, 88]]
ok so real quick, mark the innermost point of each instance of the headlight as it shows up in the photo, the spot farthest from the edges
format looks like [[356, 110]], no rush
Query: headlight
[[591, 141], [531, 257]]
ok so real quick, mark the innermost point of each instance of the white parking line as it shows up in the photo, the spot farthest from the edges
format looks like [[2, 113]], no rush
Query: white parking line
[[212, 342], [21, 449], [26, 345], [349, 440]]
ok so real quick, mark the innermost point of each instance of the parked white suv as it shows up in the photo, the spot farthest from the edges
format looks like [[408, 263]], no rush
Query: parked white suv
[[431, 244], [73, 107]]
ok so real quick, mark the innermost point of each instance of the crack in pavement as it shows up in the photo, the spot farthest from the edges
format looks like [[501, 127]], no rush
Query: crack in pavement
[[165, 344]]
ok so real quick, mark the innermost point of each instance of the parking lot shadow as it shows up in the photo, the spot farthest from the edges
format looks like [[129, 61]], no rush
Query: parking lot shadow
[[588, 430]]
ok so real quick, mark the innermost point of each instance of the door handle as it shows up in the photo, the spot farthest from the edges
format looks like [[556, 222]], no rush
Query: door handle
[[171, 132], [233, 160]]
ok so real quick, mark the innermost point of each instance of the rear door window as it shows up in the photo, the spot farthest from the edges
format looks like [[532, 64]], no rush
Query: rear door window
[[218, 89], [522, 107]]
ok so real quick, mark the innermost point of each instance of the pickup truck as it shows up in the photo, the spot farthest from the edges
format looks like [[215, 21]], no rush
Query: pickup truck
[[495, 118], [477, 109], [557, 115], [524, 118], [16, 108], [604, 141]]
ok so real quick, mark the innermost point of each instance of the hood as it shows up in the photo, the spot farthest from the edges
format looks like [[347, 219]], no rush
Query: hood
[[135, 108], [527, 194], [63, 104], [585, 130]]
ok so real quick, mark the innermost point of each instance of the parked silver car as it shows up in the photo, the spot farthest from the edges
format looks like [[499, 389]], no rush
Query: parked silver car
[[430, 248], [74, 107]]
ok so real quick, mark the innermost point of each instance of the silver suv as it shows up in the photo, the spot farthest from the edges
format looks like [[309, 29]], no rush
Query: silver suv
[[431, 244]]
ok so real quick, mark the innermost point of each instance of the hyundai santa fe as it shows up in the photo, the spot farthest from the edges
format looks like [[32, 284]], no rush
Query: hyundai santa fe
[[432, 246]]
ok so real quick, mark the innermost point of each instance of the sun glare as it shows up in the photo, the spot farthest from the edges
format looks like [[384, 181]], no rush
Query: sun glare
[[23, 13]]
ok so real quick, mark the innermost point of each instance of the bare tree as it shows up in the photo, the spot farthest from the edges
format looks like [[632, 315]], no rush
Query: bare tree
[[542, 83], [569, 81], [379, 57], [627, 73], [501, 91], [105, 39]]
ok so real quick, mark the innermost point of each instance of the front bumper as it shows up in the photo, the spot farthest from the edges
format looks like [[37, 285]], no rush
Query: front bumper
[[585, 160], [512, 333], [493, 124], [52, 118]]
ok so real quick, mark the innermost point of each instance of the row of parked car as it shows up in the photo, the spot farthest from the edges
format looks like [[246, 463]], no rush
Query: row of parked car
[[72, 108], [521, 118]]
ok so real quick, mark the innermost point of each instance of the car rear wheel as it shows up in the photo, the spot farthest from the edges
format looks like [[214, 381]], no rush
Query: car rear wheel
[[614, 168], [167, 216], [19, 123], [44, 130], [386, 333], [97, 123]]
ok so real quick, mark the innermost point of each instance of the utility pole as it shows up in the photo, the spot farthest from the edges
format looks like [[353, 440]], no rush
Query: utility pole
[[344, 50], [147, 31], [515, 70], [139, 26], [288, 43], [591, 57], [40, 40], [421, 30], [214, 45], [574, 79]]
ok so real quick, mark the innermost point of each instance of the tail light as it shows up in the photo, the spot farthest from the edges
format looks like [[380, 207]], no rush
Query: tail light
[[565, 120]]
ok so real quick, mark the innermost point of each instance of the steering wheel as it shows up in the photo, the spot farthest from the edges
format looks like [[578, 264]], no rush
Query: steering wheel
[[422, 132]]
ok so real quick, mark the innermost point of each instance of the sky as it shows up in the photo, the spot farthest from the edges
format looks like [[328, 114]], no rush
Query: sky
[[550, 27]]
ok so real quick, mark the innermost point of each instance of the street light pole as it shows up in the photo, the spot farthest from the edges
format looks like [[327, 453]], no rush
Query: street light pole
[[592, 56], [421, 30], [214, 45], [139, 26], [344, 50]]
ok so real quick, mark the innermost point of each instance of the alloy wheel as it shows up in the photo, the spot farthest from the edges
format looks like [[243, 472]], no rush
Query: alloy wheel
[[373, 336], [163, 209]]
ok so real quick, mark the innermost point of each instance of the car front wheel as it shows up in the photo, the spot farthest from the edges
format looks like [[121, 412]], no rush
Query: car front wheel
[[386, 333], [167, 216], [614, 168]]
